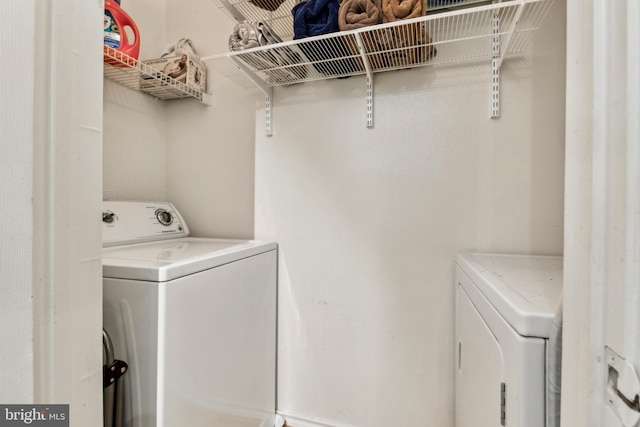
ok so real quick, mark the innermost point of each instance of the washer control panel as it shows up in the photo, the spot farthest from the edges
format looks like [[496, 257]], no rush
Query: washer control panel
[[125, 222]]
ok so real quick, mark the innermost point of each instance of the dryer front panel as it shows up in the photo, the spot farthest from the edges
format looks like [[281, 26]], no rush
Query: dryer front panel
[[480, 369], [492, 353]]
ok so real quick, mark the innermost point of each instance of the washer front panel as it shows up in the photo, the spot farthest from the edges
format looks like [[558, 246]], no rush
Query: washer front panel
[[201, 348]]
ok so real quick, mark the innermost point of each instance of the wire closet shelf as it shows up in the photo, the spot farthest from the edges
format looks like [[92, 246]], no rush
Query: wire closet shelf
[[139, 76], [467, 33]]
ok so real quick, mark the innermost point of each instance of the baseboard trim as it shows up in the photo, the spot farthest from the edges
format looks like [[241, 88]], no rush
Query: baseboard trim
[[297, 421]]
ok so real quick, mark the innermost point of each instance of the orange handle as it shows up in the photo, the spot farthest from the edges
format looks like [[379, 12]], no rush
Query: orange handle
[[123, 20]]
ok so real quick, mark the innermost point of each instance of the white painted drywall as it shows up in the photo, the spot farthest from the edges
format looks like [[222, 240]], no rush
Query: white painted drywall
[[210, 150], [16, 170], [369, 221], [50, 133], [576, 381], [67, 207], [134, 145]]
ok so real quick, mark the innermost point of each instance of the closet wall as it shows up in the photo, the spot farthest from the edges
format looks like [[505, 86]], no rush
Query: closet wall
[[210, 150], [369, 222], [16, 199], [50, 181]]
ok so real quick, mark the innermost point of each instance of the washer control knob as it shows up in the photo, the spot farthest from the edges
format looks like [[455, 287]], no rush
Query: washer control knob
[[164, 217], [108, 217]]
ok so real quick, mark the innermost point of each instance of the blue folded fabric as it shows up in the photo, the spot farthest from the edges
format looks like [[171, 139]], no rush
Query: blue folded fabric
[[314, 18]]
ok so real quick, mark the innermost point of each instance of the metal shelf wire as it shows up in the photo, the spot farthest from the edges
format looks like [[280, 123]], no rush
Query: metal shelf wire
[[277, 13], [141, 77], [466, 33]]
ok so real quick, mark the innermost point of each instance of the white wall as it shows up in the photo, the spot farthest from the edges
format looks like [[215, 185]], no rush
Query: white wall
[[68, 180], [16, 170], [578, 257], [50, 180], [369, 222], [210, 150]]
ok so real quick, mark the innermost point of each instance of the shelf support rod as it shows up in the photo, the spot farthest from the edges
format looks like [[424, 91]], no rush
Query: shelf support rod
[[369, 89], [268, 118], [495, 66], [498, 52], [267, 90], [510, 31]]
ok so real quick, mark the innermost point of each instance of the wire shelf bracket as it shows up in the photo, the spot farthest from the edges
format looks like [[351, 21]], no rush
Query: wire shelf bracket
[[137, 75], [495, 67], [490, 30], [497, 56], [369, 87], [267, 90]]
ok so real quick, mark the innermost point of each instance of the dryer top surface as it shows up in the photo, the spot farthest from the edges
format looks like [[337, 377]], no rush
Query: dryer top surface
[[526, 290]]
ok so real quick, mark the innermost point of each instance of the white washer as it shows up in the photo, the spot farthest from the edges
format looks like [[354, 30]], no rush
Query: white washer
[[194, 318], [505, 311]]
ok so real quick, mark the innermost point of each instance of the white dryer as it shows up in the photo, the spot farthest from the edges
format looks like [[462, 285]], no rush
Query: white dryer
[[505, 311], [194, 318]]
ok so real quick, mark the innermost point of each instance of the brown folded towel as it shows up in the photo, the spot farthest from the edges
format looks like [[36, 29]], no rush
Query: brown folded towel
[[399, 47], [395, 10], [354, 14], [409, 44]]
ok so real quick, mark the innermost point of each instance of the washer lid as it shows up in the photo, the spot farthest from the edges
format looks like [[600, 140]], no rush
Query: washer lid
[[525, 290], [170, 259]]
